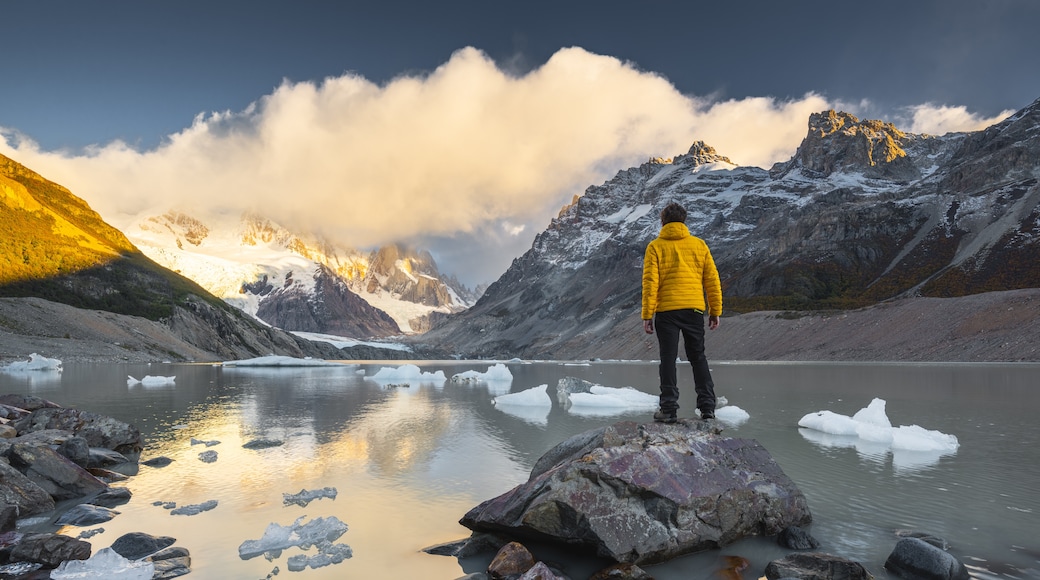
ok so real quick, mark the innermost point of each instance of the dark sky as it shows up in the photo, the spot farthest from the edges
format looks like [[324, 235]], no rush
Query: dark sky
[[77, 73]]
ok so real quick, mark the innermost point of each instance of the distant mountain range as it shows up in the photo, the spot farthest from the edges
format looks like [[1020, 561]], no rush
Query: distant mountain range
[[302, 283], [861, 214]]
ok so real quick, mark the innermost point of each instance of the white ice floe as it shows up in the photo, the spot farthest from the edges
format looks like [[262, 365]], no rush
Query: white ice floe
[[603, 401], [407, 372], [282, 361], [873, 435], [151, 381], [277, 537], [499, 372], [731, 414], [531, 405], [105, 564], [36, 362]]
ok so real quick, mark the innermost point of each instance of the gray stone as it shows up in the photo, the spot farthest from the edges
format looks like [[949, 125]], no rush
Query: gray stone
[[85, 515], [112, 497], [98, 430], [170, 562], [101, 457], [541, 571], [137, 545], [622, 571], [18, 490], [76, 450], [262, 443], [478, 543], [55, 474], [161, 461], [915, 558], [49, 549], [796, 538], [816, 566], [648, 493]]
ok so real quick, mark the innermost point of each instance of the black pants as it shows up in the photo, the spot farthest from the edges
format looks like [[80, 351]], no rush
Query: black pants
[[690, 324]]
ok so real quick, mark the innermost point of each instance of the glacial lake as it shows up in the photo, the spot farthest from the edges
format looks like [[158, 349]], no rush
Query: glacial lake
[[408, 462]]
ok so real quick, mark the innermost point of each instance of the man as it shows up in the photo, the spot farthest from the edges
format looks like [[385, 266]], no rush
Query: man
[[678, 271]]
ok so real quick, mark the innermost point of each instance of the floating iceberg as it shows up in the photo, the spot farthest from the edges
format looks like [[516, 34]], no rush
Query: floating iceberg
[[499, 372], [872, 434], [35, 363], [407, 373], [282, 361], [277, 538], [732, 415], [328, 554], [150, 381], [532, 405], [106, 564]]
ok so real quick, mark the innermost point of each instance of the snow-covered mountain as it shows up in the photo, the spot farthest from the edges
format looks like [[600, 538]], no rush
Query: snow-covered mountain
[[303, 283], [862, 213]]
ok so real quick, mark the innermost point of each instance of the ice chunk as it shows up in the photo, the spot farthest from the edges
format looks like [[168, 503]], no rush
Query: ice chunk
[[150, 381], [499, 372], [328, 554], [624, 397], [106, 564], [194, 510], [533, 397], [304, 535], [732, 415], [406, 373], [36, 362], [872, 434], [307, 496], [208, 456]]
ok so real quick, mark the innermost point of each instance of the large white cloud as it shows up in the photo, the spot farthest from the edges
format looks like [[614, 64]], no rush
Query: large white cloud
[[465, 152]]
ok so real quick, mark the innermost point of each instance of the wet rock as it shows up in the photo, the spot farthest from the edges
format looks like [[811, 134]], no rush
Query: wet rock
[[101, 457], [76, 450], [55, 474], [936, 541], [49, 549], [137, 545], [648, 493], [112, 497], [84, 515], [541, 571], [914, 558], [98, 430], [478, 543], [622, 571], [19, 491], [161, 461], [511, 560], [816, 565], [262, 443], [796, 538], [28, 403], [170, 562]]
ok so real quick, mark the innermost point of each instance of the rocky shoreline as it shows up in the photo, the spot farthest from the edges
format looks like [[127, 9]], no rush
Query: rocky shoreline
[[51, 456]]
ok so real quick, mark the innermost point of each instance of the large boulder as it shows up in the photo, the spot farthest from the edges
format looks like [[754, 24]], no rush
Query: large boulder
[[54, 473], [98, 430], [648, 493], [18, 490]]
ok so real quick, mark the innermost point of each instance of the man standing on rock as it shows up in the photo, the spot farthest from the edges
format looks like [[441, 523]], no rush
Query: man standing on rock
[[678, 271]]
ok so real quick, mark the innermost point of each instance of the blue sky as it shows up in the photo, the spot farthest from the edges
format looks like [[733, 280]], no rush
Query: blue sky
[[137, 105]]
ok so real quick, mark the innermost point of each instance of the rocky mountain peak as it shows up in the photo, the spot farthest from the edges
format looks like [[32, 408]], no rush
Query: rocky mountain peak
[[838, 141], [701, 153]]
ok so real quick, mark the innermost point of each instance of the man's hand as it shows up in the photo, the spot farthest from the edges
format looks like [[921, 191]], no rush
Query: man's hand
[[713, 321], [648, 326]]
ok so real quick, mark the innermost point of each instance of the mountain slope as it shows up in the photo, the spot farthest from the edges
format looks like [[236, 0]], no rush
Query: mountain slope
[[302, 283], [862, 213], [57, 249]]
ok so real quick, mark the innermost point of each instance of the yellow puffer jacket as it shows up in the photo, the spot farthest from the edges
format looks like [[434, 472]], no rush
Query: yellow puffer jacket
[[677, 272]]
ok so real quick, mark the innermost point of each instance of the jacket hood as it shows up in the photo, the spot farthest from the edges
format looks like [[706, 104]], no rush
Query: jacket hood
[[674, 231]]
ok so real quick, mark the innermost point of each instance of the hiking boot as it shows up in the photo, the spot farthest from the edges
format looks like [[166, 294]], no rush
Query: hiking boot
[[664, 416], [705, 415]]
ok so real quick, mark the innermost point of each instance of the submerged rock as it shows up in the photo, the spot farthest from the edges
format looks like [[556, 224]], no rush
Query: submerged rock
[[816, 565], [648, 493], [916, 558]]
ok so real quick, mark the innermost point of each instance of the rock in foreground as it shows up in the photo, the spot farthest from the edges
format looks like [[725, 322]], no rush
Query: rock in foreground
[[648, 493]]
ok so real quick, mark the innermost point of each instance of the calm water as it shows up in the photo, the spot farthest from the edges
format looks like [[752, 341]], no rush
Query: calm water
[[409, 462]]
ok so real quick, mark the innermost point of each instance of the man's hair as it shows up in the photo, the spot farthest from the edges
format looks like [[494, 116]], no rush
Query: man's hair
[[673, 212]]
